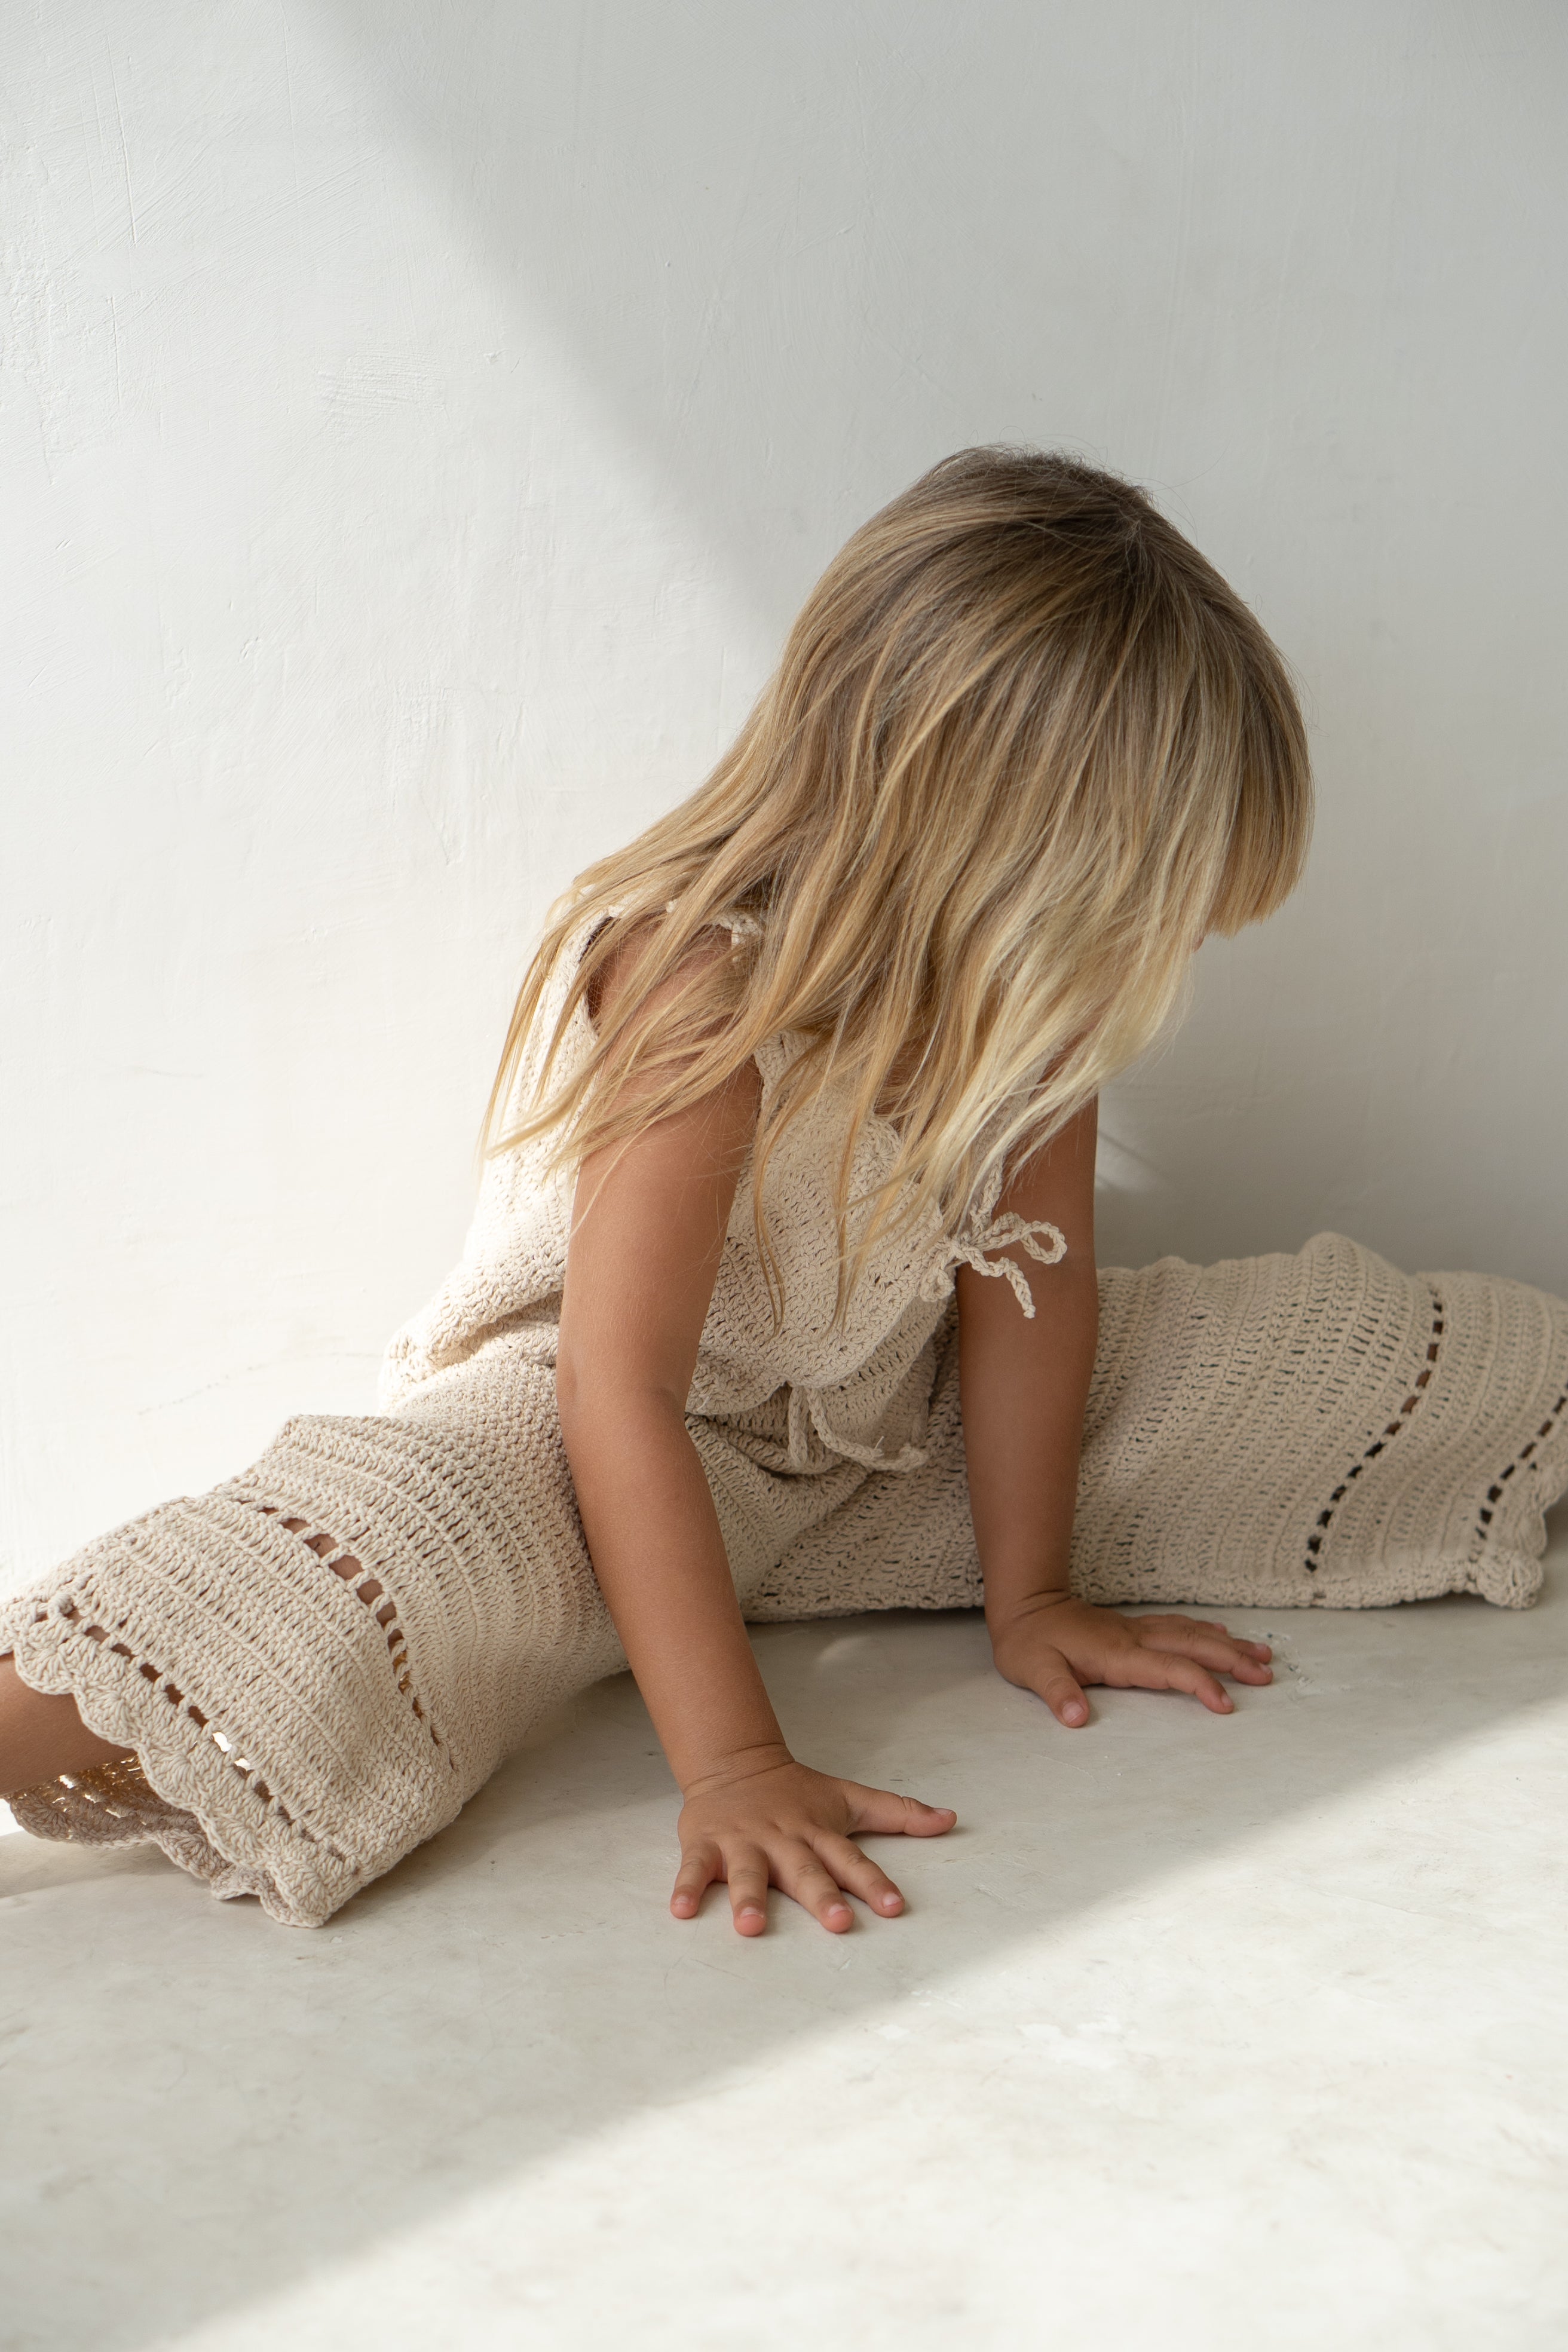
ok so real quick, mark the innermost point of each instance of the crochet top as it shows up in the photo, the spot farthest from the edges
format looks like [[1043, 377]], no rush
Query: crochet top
[[841, 1376]]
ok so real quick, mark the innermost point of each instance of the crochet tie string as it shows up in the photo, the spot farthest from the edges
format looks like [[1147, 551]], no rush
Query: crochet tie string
[[970, 1246], [978, 1238], [806, 1413]]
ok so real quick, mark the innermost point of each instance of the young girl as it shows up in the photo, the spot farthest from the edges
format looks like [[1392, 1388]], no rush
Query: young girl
[[780, 1300]]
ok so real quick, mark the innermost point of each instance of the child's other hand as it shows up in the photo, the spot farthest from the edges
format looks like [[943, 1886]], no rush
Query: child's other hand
[[1059, 1644], [778, 1823]]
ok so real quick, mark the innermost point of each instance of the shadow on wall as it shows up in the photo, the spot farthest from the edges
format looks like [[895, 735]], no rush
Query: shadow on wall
[[804, 253], [205, 2109], [1272, 271]]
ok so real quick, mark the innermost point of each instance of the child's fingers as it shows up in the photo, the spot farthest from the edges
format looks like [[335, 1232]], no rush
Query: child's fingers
[[748, 1873], [1052, 1679], [1174, 1637], [1222, 1657], [803, 1875], [883, 1812], [1064, 1695], [859, 1873], [1156, 1629], [699, 1866], [1163, 1670]]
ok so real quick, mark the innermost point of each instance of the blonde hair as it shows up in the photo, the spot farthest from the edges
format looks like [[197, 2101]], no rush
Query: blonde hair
[[1023, 749]]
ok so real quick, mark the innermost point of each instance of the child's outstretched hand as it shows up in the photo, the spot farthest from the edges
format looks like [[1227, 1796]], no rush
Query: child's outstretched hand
[[778, 1823], [1059, 1644]]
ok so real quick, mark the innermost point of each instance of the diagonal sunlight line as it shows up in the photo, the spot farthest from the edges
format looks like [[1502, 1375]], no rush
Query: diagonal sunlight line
[[561, 395], [987, 2035], [513, 1992]]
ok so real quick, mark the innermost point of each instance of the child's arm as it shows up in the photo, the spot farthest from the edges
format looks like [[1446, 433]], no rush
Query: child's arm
[[648, 1233], [1024, 1385]]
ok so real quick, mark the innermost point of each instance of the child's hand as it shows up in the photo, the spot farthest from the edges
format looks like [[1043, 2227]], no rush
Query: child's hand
[[1059, 1644], [781, 1825]]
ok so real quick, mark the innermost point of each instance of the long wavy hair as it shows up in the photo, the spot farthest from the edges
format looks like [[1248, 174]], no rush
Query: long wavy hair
[[1024, 748]]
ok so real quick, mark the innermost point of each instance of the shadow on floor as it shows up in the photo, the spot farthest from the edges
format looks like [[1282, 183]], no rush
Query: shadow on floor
[[203, 2107]]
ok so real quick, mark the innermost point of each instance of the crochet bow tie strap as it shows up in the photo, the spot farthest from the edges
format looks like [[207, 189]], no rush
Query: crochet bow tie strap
[[972, 1245], [978, 1237]]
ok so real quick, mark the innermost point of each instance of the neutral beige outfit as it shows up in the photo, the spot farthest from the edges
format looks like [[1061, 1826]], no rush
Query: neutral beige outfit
[[1282, 1430]]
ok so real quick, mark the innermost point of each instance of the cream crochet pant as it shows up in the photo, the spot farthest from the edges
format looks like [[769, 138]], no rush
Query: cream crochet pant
[[298, 1733], [1300, 1431]]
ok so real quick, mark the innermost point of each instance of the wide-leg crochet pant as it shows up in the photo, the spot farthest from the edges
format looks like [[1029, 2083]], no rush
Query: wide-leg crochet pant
[[1296, 1430], [295, 1740]]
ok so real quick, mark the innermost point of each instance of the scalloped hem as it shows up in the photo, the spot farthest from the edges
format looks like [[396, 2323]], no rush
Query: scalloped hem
[[116, 1804], [179, 1790]]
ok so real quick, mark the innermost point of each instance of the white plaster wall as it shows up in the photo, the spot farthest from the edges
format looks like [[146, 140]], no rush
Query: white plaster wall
[[420, 420]]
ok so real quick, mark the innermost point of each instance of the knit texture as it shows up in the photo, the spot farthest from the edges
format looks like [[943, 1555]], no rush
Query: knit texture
[[1320, 1431], [1293, 1431], [841, 1375], [294, 1739]]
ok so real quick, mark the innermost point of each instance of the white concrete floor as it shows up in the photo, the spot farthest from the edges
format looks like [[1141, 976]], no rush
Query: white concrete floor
[[1206, 2032]]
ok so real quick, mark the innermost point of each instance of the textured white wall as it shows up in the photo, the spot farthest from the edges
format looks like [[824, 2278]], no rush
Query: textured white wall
[[421, 419]]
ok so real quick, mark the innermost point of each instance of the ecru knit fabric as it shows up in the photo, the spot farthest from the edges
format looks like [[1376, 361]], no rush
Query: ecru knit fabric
[[841, 1379], [1293, 1431], [1320, 1431]]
